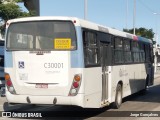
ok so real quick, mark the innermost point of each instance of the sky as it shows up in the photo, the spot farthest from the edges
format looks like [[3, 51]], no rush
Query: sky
[[110, 13]]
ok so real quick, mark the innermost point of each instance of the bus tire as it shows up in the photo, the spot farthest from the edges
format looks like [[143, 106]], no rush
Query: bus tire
[[144, 91], [118, 97]]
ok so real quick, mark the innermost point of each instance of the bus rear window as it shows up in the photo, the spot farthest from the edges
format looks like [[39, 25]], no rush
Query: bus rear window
[[41, 35]]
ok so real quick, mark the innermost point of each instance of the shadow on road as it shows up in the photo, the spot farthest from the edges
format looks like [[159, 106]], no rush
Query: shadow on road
[[57, 112], [151, 95], [17, 107]]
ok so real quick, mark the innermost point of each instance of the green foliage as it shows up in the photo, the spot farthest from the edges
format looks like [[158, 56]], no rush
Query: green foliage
[[32, 13], [11, 11], [18, 1], [147, 33], [13, 1]]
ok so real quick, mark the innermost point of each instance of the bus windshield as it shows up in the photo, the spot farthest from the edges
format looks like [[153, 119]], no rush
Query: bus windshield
[[41, 35]]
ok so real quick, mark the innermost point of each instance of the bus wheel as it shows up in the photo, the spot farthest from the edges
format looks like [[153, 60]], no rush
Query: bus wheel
[[118, 97], [144, 91]]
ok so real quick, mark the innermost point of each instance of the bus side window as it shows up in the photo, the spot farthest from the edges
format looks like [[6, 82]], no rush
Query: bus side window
[[127, 51], [118, 50], [147, 52], [135, 51], [91, 49], [152, 55], [105, 40], [142, 52]]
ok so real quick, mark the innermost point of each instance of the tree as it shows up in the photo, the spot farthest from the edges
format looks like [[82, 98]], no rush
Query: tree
[[147, 33], [10, 10]]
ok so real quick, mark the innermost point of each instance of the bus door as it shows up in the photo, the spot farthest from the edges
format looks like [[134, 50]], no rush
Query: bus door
[[104, 50]]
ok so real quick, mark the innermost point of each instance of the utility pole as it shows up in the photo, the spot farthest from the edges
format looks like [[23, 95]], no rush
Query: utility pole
[[127, 14], [156, 40], [85, 9], [134, 18]]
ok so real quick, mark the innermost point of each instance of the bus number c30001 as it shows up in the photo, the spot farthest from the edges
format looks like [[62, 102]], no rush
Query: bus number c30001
[[53, 65]]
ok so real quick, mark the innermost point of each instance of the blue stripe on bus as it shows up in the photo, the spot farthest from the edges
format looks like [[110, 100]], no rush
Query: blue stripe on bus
[[144, 39], [8, 59], [77, 56]]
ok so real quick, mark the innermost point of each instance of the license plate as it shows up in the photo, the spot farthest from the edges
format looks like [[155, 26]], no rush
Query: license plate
[[41, 85]]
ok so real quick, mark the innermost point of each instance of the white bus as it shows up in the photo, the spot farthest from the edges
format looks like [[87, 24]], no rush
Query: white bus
[[69, 61]]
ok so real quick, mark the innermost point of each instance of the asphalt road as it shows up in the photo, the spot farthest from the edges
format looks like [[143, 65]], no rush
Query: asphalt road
[[137, 105]]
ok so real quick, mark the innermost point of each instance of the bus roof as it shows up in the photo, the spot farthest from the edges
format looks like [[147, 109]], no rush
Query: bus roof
[[90, 25], [85, 24]]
